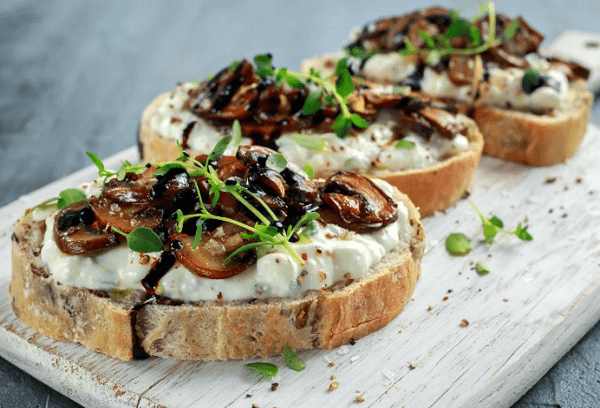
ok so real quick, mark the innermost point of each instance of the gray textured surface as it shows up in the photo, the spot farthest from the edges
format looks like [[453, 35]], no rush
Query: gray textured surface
[[75, 76]]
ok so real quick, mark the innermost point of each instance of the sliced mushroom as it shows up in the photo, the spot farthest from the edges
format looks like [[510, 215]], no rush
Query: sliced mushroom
[[360, 205], [76, 231], [133, 189], [254, 155], [447, 124], [125, 217], [207, 259]]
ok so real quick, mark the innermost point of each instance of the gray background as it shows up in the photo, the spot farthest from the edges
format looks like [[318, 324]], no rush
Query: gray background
[[76, 75]]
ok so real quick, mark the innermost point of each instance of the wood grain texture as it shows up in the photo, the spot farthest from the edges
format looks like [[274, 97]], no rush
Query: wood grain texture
[[537, 301]]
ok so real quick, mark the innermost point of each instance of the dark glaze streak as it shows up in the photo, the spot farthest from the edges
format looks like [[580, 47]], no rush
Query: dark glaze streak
[[186, 134], [138, 351], [165, 262]]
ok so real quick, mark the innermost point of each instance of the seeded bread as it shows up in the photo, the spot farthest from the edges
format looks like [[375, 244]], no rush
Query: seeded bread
[[433, 188], [536, 139], [131, 325]]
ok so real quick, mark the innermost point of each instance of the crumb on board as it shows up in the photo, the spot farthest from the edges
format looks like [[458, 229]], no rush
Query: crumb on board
[[274, 386], [464, 323], [332, 364], [359, 399], [334, 385], [430, 308]]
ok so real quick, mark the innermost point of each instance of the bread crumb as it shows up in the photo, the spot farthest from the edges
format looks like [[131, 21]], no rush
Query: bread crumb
[[332, 376], [550, 180], [352, 341], [411, 366], [388, 374], [332, 364], [505, 300], [255, 406], [299, 280], [322, 276], [471, 262], [445, 298], [274, 386], [430, 308], [354, 359], [359, 399], [144, 259], [333, 385], [578, 180], [464, 322], [249, 395]]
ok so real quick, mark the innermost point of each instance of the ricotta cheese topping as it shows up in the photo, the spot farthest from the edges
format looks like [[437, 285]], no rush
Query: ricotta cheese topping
[[333, 255], [371, 150]]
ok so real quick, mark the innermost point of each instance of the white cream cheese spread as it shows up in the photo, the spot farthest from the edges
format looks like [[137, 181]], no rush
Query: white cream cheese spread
[[333, 255], [371, 150]]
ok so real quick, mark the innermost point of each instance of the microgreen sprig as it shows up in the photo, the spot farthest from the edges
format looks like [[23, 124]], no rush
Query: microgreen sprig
[[325, 90], [439, 46], [492, 226], [64, 199]]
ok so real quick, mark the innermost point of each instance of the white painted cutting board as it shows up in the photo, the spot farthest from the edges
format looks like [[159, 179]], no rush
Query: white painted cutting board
[[538, 300]]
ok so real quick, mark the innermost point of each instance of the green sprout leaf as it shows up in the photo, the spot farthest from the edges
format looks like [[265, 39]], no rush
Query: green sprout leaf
[[510, 30], [481, 268], [70, 196], [312, 103], [276, 162], [309, 170], [236, 134], [344, 85], [97, 162], [265, 68], [292, 360], [310, 142], [219, 148], [263, 371], [458, 244], [234, 65], [427, 38], [342, 126], [142, 239], [198, 235], [522, 234], [494, 225], [489, 232], [404, 144], [358, 121], [161, 171]]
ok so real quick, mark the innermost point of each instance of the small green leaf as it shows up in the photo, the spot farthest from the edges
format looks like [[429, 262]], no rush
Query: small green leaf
[[458, 244], [196, 83], [236, 134], [161, 171], [292, 360], [329, 100], [294, 82], [97, 162], [144, 239], [531, 78], [458, 28], [310, 142], [344, 85], [409, 48], [510, 30], [522, 234], [314, 73], [312, 103], [309, 170], [481, 268], [475, 37], [404, 144], [401, 90], [234, 65], [276, 162], [70, 196], [198, 235], [433, 57], [427, 38], [341, 67], [489, 232], [220, 148], [358, 121], [263, 62], [497, 222], [263, 370], [342, 125]]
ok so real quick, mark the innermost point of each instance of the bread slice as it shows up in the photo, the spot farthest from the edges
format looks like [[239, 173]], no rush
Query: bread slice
[[432, 188], [536, 139], [136, 326], [536, 135]]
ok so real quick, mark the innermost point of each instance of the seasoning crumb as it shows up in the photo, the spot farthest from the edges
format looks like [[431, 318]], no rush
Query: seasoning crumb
[[578, 180], [449, 290], [274, 386], [445, 298], [333, 385], [249, 395], [411, 366], [332, 364], [359, 399], [464, 322], [299, 280], [565, 215], [550, 180], [255, 406], [352, 341], [332, 376], [144, 259], [471, 262], [322, 276], [430, 308], [505, 300]]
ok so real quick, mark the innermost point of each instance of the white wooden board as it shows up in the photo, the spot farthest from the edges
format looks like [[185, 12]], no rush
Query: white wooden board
[[537, 301]]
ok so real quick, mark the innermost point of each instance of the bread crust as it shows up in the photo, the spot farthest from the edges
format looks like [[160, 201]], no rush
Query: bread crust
[[433, 188], [125, 327], [537, 140]]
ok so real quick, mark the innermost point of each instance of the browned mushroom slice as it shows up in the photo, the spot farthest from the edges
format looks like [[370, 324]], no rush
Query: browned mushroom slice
[[447, 124], [76, 231], [526, 40], [125, 217], [133, 189], [360, 204], [207, 259], [464, 69], [252, 155]]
